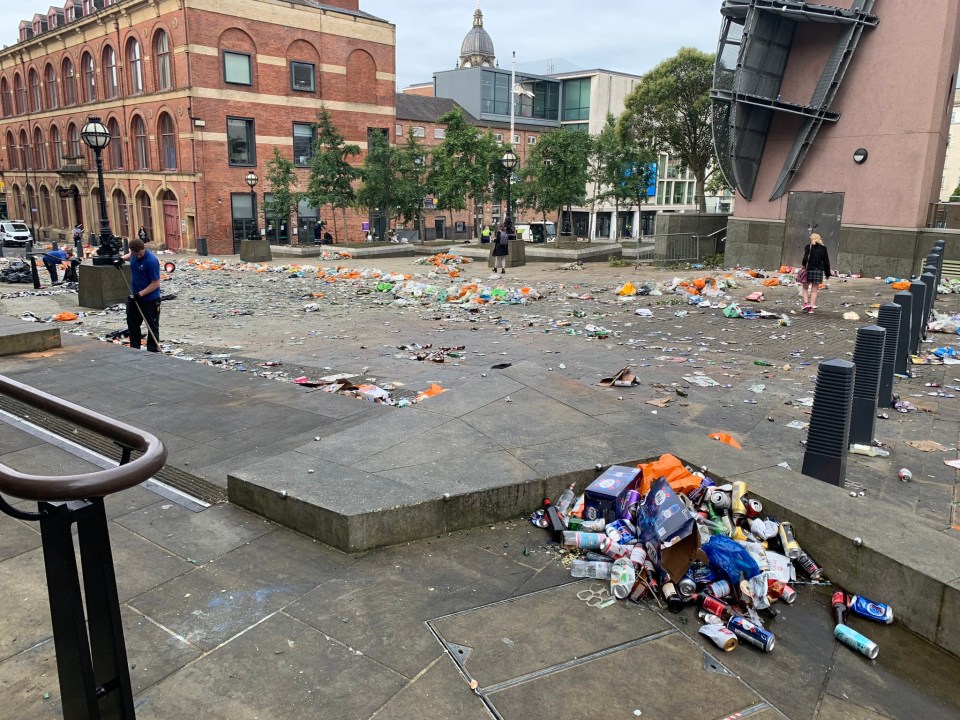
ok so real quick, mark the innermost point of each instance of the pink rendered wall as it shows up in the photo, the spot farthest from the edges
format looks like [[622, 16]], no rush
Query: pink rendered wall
[[895, 101]]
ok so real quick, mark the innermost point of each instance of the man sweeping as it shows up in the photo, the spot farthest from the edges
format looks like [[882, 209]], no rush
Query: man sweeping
[[144, 302]]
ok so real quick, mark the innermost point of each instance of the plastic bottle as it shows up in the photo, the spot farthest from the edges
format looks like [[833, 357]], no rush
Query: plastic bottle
[[852, 639], [870, 450], [585, 568], [565, 501]]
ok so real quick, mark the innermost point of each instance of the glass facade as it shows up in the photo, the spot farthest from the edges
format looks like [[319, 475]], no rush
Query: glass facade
[[576, 99], [303, 139], [495, 96]]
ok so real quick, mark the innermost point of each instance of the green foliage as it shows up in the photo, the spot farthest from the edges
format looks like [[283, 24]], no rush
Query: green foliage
[[410, 183], [557, 171], [463, 164], [670, 110], [331, 174], [955, 195], [379, 175], [624, 166], [619, 261], [281, 179]]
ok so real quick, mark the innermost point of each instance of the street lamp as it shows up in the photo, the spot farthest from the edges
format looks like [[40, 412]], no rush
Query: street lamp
[[252, 181], [509, 162], [97, 137]]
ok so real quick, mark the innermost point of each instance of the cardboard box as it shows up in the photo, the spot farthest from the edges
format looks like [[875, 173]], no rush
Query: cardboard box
[[669, 530], [602, 496]]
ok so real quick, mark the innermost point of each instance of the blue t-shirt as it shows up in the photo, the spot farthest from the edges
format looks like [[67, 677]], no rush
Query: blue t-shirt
[[55, 256], [144, 271]]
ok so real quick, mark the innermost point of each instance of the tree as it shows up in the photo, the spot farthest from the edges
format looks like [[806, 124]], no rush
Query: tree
[[379, 174], [281, 178], [411, 164], [558, 171], [331, 175], [462, 165], [670, 110]]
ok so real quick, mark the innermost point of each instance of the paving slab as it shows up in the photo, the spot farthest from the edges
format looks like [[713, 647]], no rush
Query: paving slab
[[439, 693]]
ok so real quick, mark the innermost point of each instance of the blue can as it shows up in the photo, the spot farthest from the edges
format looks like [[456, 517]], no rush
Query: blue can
[[878, 612], [751, 633]]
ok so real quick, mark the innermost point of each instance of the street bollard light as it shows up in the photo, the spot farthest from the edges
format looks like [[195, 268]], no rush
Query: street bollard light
[[252, 181], [97, 137], [509, 162]]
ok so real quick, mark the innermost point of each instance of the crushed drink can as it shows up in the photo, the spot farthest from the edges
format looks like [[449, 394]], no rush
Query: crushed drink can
[[782, 591], [754, 508], [737, 507], [878, 612], [539, 518], [699, 492], [701, 573], [719, 589], [852, 639], [638, 556], [791, 548], [723, 638], [620, 532], [623, 577], [809, 566], [687, 586], [752, 633], [613, 549], [905, 475], [719, 499]]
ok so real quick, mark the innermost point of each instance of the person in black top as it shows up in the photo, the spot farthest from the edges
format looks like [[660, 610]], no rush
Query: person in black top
[[816, 260]]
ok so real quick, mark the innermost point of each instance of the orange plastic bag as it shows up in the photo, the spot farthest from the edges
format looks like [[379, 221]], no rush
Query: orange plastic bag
[[700, 283], [726, 439], [432, 391], [901, 285], [669, 467], [65, 317], [771, 282]]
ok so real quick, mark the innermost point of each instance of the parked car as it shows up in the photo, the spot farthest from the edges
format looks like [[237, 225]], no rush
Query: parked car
[[14, 234], [538, 232]]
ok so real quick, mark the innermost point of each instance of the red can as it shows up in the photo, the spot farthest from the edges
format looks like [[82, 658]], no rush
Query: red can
[[782, 591], [715, 607], [754, 508]]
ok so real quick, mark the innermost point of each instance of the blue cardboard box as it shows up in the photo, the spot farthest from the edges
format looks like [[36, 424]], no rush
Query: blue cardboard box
[[603, 495]]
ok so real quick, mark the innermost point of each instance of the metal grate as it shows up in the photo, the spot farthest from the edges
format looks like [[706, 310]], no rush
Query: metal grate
[[826, 454], [183, 481], [868, 357]]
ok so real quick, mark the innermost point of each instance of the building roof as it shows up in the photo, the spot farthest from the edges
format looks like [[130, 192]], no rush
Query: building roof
[[477, 44], [334, 8], [424, 108], [593, 71]]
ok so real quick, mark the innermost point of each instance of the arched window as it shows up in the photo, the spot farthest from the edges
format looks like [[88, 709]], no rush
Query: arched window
[[18, 203], [45, 209], [32, 205], [161, 53], [141, 150], [89, 78], [12, 154], [50, 79], [109, 66], [56, 148], [36, 102], [73, 138], [134, 67], [121, 214], [19, 94], [39, 150], [6, 100], [25, 150], [145, 211], [168, 142], [69, 84], [116, 145], [64, 209]]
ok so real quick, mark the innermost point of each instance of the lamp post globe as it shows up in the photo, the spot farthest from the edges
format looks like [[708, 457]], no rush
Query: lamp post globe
[[251, 179], [96, 136], [509, 162]]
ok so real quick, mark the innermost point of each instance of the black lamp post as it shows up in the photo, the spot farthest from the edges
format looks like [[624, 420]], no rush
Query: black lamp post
[[509, 162], [252, 181], [97, 137]]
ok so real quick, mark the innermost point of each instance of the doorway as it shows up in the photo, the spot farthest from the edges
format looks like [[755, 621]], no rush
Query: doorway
[[809, 212], [77, 206], [439, 225], [171, 221]]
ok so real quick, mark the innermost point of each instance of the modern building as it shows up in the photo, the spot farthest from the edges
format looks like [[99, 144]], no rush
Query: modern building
[[951, 163], [196, 96]]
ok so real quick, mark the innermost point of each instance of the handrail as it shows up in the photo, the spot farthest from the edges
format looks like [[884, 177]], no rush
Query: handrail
[[87, 485], [715, 232]]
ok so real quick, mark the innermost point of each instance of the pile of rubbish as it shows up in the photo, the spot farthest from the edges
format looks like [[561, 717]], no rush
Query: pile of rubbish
[[16, 271], [442, 259], [664, 532], [943, 322]]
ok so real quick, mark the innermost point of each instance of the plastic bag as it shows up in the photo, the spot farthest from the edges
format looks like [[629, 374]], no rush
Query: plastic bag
[[726, 439], [729, 557]]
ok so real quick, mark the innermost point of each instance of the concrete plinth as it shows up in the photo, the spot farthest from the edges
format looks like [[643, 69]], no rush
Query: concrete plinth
[[101, 286], [27, 337], [255, 251], [516, 253]]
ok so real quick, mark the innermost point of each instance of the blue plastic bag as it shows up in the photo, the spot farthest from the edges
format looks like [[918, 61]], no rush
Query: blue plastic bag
[[730, 558]]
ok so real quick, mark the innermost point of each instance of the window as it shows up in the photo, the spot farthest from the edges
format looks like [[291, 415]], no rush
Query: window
[[56, 148], [145, 210], [121, 214], [25, 150], [577, 127], [50, 79], [19, 95], [69, 84], [304, 136], [516, 139], [141, 150], [531, 139], [242, 212], [241, 145], [12, 152], [64, 210], [168, 142], [6, 100], [236, 68], [89, 78], [39, 150], [576, 99], [109, 73], [134, 67], [45, 206], [73, 136], [399, 131], [161, 47], [418, 131], [35, 100], [498, 137], [303, 76], [116, 145], [439, 133]]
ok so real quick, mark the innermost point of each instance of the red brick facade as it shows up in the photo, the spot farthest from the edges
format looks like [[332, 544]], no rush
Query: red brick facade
[[168, 166]]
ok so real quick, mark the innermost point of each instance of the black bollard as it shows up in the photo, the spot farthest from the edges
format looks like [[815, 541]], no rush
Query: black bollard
[[826, 454], [868, 358], [889, 319], [937, 256], [929, 278], [905, 300], [919, 292]]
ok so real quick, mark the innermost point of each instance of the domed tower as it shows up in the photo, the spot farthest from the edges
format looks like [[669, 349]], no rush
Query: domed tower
[[477, 47]]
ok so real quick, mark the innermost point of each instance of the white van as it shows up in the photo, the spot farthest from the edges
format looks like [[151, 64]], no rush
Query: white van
[[14, 233], [538, 231]]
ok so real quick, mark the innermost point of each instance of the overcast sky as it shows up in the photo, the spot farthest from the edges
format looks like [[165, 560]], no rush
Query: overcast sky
[[626, 35]]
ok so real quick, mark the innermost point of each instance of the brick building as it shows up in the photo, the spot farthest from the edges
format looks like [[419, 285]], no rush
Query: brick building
[[195, 95]]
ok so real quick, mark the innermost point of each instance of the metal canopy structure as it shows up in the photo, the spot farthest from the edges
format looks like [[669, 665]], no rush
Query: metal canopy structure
[[755, 44]]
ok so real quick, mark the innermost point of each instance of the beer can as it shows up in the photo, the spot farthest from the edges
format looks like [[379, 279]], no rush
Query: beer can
[[905, 475], [687, 586], [719, 499], [809, 566], [584, 540], [751, 633], [737, 507], [701, 573], [782, 591], [721, 636], [700, 492], [630, 505], [878, 612], [638, 556], [719, 589], [754, 508], [852, 639], [539, 518], [791, 548]]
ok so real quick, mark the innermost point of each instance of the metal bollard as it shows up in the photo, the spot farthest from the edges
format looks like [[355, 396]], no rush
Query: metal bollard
[[905, 300], [929, 278], [889, 319], [868, 358], [918, 290], [826, 455]]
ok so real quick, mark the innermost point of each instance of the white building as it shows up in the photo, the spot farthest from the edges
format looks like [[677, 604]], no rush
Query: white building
[[951, 165]]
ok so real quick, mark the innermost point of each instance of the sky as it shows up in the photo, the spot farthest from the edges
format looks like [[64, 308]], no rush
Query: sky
[[623, 35]]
